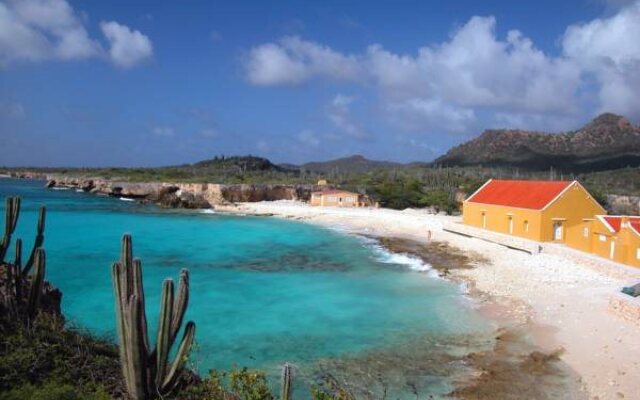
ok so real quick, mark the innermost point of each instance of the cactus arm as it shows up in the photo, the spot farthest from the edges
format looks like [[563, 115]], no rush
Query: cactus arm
[[181, 356], [39, 241], [116, 272], [126, 258], [37, 283], [17, 275], [285, 387], [164, 326], [12, 214], [180, 305], [139, 291], [137, 355]]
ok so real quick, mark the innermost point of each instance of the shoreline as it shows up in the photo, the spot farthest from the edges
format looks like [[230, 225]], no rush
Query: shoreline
[[560, 305]]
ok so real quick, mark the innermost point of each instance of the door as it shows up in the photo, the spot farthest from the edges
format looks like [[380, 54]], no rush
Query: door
[[511, 225], [557, 231], [484, 220], [612, 250]]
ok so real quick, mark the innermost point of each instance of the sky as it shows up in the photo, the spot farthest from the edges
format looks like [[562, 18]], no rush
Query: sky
[[150, 83]]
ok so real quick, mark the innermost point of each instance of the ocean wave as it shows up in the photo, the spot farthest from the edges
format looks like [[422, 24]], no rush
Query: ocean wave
[[412, 262], [126, 199], [207, 211], [60, 188]]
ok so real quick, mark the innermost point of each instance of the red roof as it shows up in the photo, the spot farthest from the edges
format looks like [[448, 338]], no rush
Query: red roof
[[615, 222], [521, 194]]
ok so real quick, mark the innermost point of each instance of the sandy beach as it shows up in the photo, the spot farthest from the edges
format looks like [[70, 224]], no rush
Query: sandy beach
[[561, 303]]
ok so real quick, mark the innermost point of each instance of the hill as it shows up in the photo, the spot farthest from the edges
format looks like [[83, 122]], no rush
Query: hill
[[354, 164], [608, 142]]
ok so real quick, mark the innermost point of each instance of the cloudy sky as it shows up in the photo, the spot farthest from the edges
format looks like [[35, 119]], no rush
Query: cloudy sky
[[139, 83]]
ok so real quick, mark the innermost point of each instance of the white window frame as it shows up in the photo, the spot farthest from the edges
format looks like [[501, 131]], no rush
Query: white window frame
[[585, 232], [602, 238]]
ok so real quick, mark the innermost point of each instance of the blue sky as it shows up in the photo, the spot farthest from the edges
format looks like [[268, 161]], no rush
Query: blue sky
[[145, 83]]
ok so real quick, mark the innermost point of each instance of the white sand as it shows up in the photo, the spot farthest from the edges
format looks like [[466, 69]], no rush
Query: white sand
[[565, 301]]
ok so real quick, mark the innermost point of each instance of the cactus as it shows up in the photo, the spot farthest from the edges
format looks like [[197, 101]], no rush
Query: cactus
[[37, 283], [285, 388], [11, 219], [22, 300], [39, 240], [148, 373]]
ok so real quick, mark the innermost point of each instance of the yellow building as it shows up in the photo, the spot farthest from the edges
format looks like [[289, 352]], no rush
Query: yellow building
[[544, 211], [617, 237], [337, 198]]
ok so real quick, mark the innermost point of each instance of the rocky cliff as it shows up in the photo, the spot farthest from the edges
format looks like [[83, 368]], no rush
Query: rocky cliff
[[183, 195]]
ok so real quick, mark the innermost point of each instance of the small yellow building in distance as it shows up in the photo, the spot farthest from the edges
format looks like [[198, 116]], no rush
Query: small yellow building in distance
[[337, 198]]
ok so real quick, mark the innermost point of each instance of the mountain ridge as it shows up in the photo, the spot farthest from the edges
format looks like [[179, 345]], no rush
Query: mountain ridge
[[609, 141]]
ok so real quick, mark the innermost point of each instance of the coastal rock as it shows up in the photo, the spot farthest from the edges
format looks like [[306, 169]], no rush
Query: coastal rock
[[184, 195]]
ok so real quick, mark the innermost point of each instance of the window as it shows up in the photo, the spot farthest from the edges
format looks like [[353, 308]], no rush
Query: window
[[602, 238], [526, 226], [638, 254], [484, 220], [585, 232], [349, 199], [332, 198]]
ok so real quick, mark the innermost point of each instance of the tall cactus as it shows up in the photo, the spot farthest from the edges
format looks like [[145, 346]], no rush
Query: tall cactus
[[285, 387], [147, 372]]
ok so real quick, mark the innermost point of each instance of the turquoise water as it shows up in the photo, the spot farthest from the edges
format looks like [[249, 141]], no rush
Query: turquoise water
[[263, 291]]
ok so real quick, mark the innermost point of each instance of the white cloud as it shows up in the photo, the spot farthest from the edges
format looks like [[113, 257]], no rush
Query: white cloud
[[608, 50], [165, 131], [37, 30], [293, 60], [340, 115], [127, 47], [450, 84]]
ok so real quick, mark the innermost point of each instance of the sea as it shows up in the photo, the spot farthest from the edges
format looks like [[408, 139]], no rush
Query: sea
[[265, 291]]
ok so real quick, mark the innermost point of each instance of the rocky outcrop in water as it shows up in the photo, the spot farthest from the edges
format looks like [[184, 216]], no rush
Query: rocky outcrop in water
[[184, 195]]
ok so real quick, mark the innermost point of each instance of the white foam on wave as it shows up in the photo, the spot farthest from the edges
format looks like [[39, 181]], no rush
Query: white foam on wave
[[79, 190], [60, 188], [412, 262], [207, 211], [126, 199]]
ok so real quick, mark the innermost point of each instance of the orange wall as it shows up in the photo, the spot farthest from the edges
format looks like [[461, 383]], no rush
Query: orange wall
[[497, 219], [571, 209]]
